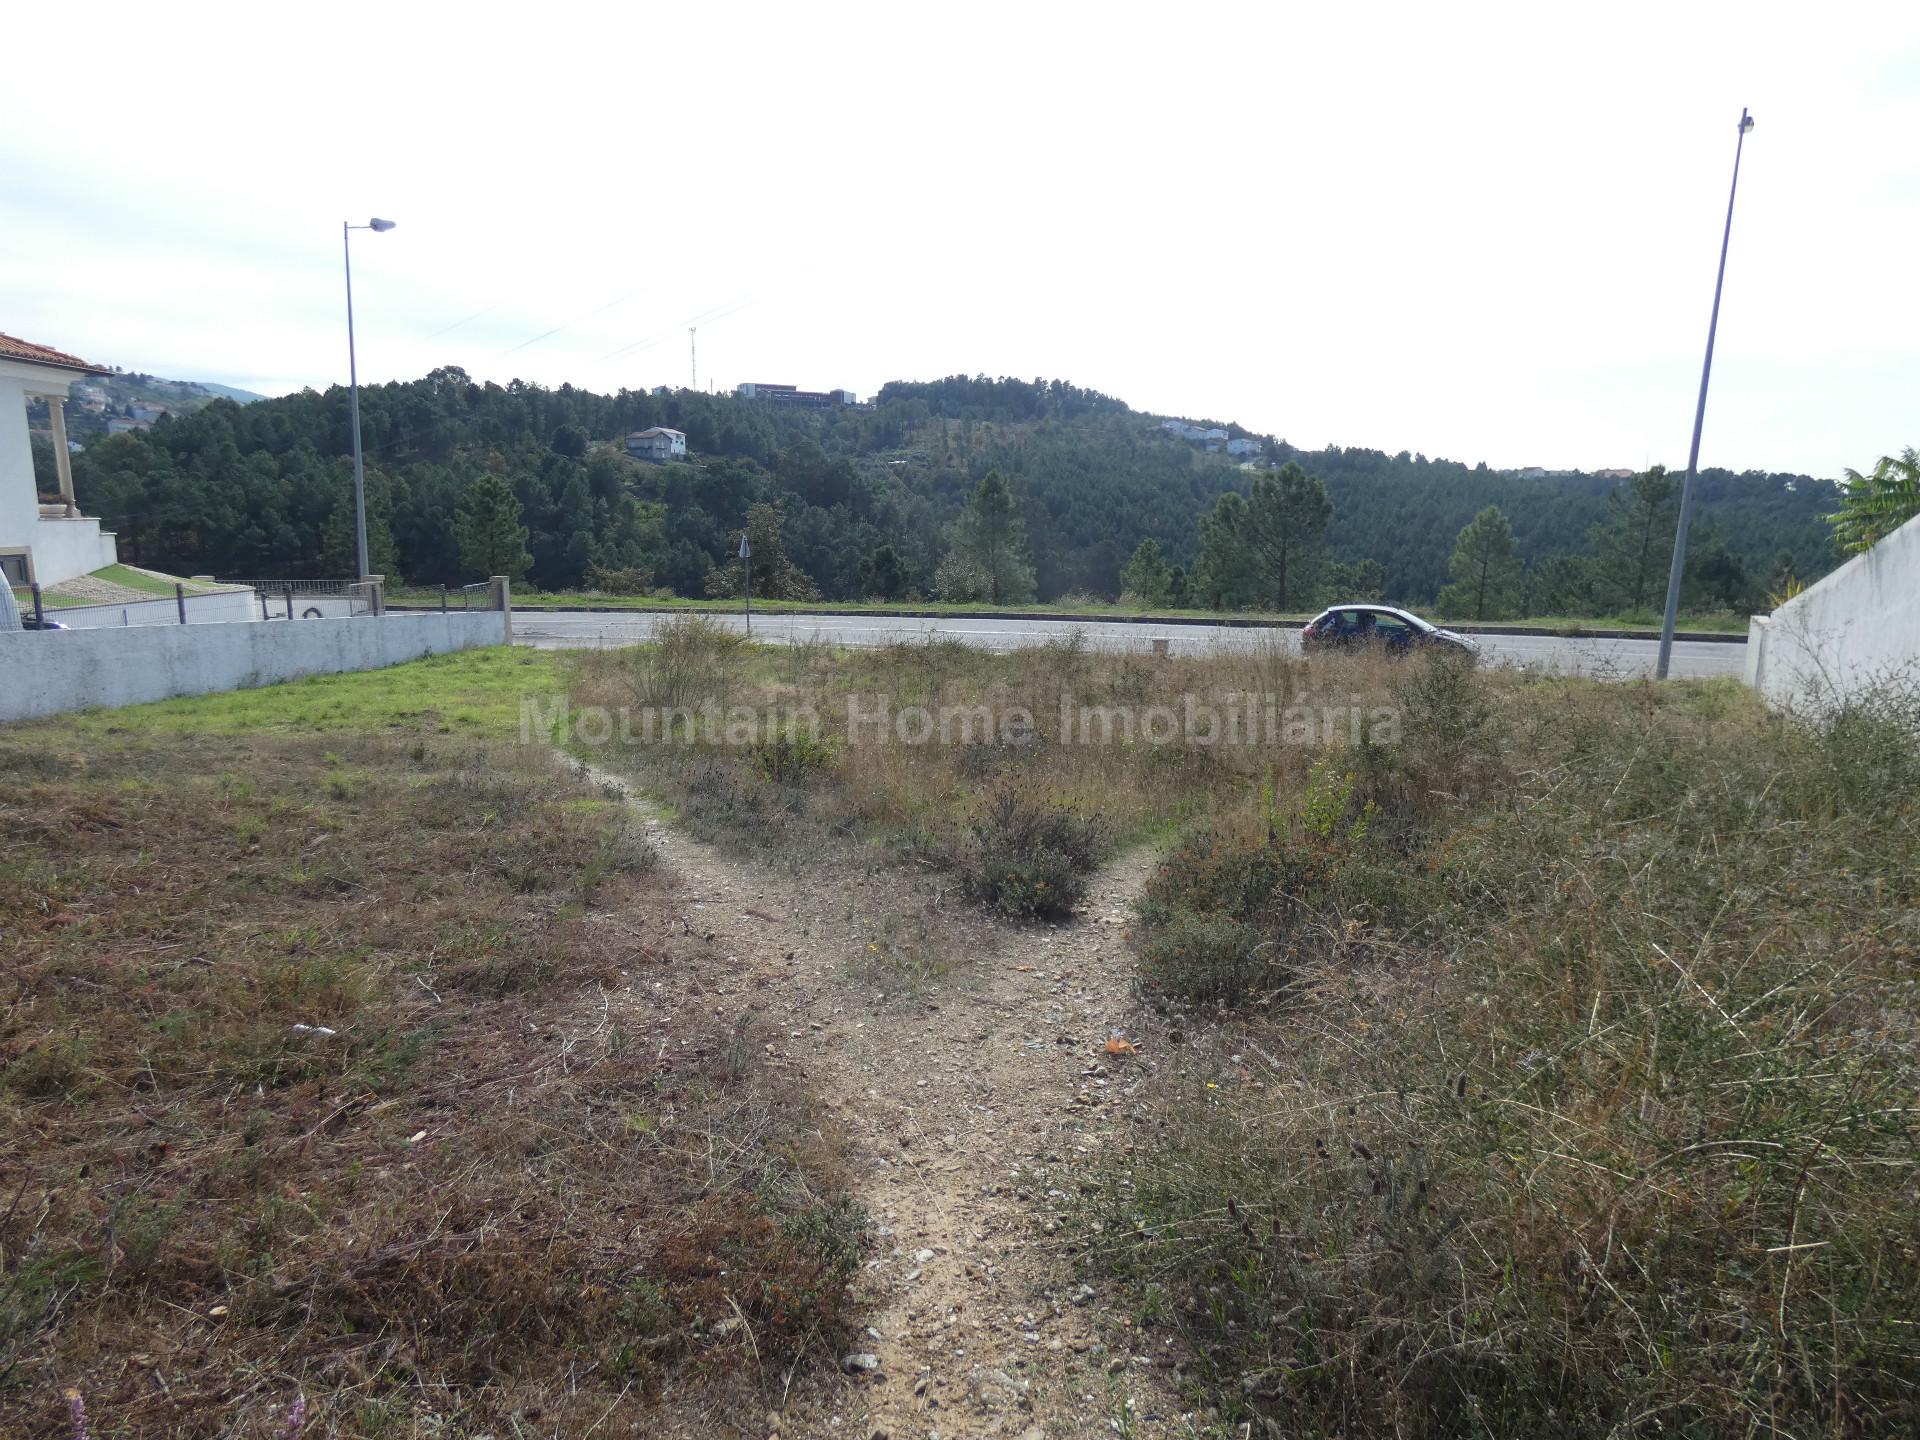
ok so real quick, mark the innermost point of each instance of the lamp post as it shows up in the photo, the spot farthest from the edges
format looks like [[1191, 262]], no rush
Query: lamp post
[[1679, 570], [353, 384], [746, 598]]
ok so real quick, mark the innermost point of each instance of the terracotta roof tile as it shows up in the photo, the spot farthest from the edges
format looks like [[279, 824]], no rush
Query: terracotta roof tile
[[12, 349]]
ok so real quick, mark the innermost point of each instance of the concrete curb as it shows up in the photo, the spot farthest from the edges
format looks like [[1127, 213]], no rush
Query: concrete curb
[[1230, 622]]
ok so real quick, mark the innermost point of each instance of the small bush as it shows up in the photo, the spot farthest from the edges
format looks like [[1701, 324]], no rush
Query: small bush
[[619, 582], [1029, 858], [690, 660], [792, 757], [1207, 960]]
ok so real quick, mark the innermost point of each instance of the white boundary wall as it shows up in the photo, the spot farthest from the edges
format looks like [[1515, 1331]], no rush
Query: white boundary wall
[[222, 606], [1858, 626], [47, 672]]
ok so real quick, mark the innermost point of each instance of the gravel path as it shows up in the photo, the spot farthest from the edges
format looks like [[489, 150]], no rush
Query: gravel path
[[969, 1110]]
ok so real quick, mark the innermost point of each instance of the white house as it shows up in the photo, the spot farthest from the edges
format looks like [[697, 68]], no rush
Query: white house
[[1243, 447], [657, 443], [48, 542]]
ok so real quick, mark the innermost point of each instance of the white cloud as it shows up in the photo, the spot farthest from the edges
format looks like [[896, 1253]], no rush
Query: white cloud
[[1490, 238]]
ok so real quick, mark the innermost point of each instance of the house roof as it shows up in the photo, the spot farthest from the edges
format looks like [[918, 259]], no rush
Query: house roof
[[29, 353], [655, 430]]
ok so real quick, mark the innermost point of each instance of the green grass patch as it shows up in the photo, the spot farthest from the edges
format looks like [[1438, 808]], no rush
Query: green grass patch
[[474, 693]]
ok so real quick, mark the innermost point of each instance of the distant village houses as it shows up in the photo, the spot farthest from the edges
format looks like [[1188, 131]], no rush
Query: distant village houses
[[657, 443], [1213, 439]]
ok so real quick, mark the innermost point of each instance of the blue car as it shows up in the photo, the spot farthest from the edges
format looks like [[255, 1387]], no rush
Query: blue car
[[1343, 627]]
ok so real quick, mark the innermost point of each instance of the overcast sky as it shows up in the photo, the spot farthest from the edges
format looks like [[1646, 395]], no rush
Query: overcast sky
[[1484, 233]]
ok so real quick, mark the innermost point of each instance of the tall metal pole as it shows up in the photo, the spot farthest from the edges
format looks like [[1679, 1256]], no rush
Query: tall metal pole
[[746, 598], [1679, 570], [353, 382]]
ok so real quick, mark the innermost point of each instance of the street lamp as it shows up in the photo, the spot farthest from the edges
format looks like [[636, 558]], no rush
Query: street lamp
[[1679, 569], [746, 558], [353, 382]]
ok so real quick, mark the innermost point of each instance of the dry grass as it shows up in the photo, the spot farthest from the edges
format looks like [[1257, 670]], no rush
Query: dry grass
[[1584, 1102], [350, 1068], [925, 803]]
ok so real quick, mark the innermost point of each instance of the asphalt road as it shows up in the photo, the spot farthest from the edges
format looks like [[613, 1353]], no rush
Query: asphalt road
[[1608, 659]]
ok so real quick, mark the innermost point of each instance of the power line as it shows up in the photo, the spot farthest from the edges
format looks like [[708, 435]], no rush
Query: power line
[[458, 323], [598, 310]]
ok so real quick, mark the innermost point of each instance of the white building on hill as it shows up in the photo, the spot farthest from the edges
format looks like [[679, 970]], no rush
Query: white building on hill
[[657, 443], [43, 539]]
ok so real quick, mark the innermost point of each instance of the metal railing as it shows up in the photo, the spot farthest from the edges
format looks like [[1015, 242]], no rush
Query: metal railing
[[290, 599], [467, 597]]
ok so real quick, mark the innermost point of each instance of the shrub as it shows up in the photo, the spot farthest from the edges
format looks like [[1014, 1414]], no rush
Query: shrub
[[1231, 911], [1207, 960], [690, 660], [619, 582], [1027, 857], [791, 757]]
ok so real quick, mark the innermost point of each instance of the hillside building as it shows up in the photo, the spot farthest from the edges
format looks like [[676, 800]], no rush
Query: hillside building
[[792, 395], [657, 443]]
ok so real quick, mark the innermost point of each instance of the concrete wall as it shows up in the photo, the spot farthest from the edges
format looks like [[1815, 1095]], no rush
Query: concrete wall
[[46, 672], [1857, 627], [69, 546], [201, 610]]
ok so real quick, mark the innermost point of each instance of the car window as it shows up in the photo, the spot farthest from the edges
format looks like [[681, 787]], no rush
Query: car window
[[1388, 625]]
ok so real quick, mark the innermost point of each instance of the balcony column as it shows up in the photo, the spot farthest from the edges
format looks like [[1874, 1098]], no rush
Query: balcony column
[[62, 457]]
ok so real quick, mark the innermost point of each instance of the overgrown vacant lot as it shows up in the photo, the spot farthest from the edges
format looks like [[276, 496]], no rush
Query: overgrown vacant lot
[[1015, 773], [348, 1054], [1541, 1063], [1550, 1072]]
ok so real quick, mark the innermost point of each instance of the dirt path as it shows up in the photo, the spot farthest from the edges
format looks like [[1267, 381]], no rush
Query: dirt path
[[970, 1109]]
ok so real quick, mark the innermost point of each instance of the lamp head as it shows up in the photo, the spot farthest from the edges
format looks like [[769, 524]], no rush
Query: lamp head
[[1746, 122], [377, 224]]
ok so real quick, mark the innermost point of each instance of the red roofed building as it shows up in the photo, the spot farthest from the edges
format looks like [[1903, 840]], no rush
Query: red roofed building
[[42, 539]]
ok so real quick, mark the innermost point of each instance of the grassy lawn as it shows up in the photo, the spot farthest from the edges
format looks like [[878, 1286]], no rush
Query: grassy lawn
[[115, 574], [1720, 622], [346, 1056], [136, 580], [475, 693]]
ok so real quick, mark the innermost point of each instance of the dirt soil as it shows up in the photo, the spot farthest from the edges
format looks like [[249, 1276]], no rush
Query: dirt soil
[[970, 1104]]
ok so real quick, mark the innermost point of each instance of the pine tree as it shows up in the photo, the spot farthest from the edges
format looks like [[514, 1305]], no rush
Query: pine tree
[[1634, 545], [1146, 578], [492, 539], [990, 536], [775, 576], [1285, 528], [1484, 568], [884, 574], [339, 537]]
